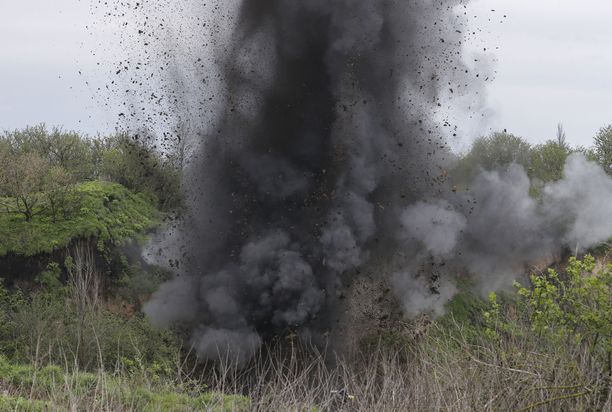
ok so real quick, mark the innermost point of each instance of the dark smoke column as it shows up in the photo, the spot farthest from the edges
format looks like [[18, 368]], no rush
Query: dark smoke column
[[327, 133]]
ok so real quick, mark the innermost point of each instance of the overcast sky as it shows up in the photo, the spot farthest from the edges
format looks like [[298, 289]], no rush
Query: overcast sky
[[553, 64]]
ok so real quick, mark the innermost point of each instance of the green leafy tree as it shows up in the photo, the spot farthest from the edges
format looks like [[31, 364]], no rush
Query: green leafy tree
[[22, 182], [72, 152], [140, 168], [603, 148], [62, 198], [75, 153], [26, 140], [496, 151], [70, 158], [548, 161]]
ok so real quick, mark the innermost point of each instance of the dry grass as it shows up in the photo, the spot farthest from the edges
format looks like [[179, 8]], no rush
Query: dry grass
[[442, 372]]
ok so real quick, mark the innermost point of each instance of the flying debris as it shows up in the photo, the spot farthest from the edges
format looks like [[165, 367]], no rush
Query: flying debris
[[317, 152]]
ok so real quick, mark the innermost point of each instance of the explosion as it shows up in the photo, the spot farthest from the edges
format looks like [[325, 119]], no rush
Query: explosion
[[317, 149]]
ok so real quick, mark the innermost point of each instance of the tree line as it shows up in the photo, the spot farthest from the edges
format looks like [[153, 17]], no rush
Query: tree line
[[543, 162], [40, 168]]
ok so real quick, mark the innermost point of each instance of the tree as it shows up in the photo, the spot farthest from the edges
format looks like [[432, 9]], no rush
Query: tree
[[75, 153], [548, 161], [69, 158], [500, 150], [26, 140], [561, 138], [495, 151], [22, 180], [70, 151], [140, 168], [603, 148], [59, 192]]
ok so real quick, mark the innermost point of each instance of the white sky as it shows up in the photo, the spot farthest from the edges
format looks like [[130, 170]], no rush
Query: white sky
[[554, 64]]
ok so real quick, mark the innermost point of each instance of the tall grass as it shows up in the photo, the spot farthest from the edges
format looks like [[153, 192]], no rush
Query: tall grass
[[442, 372]]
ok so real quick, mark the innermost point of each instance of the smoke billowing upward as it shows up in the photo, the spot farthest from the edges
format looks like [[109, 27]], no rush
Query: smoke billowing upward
[[321, 150]]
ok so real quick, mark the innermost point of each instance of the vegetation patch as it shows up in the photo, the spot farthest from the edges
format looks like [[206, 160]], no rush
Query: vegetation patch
[[18, 403], [106, 211], [52, 388]]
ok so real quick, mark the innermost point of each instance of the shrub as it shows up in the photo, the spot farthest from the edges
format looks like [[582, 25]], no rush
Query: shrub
[[577, 306]]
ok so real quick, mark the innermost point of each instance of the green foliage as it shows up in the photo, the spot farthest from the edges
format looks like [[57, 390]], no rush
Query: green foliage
[[588, 152], [603, 148], [50, 320], [492, 317], [544, 162], [76, 154], [173, 401], [554, 335], [577, 306], [495, 151], [59, 158], [22, 181], [55, 388], [60, 193], [21, 404], [106, 211], [9, 304], [465, 308], [137, 166], [136, 281], [32, 186], [548, 161], [49, 279]]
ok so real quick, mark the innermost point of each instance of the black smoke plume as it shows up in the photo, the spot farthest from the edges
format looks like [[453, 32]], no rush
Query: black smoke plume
[[325, 134], [317, 142]]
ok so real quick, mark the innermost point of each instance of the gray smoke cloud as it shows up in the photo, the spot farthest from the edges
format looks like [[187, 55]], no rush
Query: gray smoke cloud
[[496, 230], [318, 141]]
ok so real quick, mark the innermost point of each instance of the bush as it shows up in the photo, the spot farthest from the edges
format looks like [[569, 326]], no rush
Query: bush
[[21, 404], [576, 307]]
